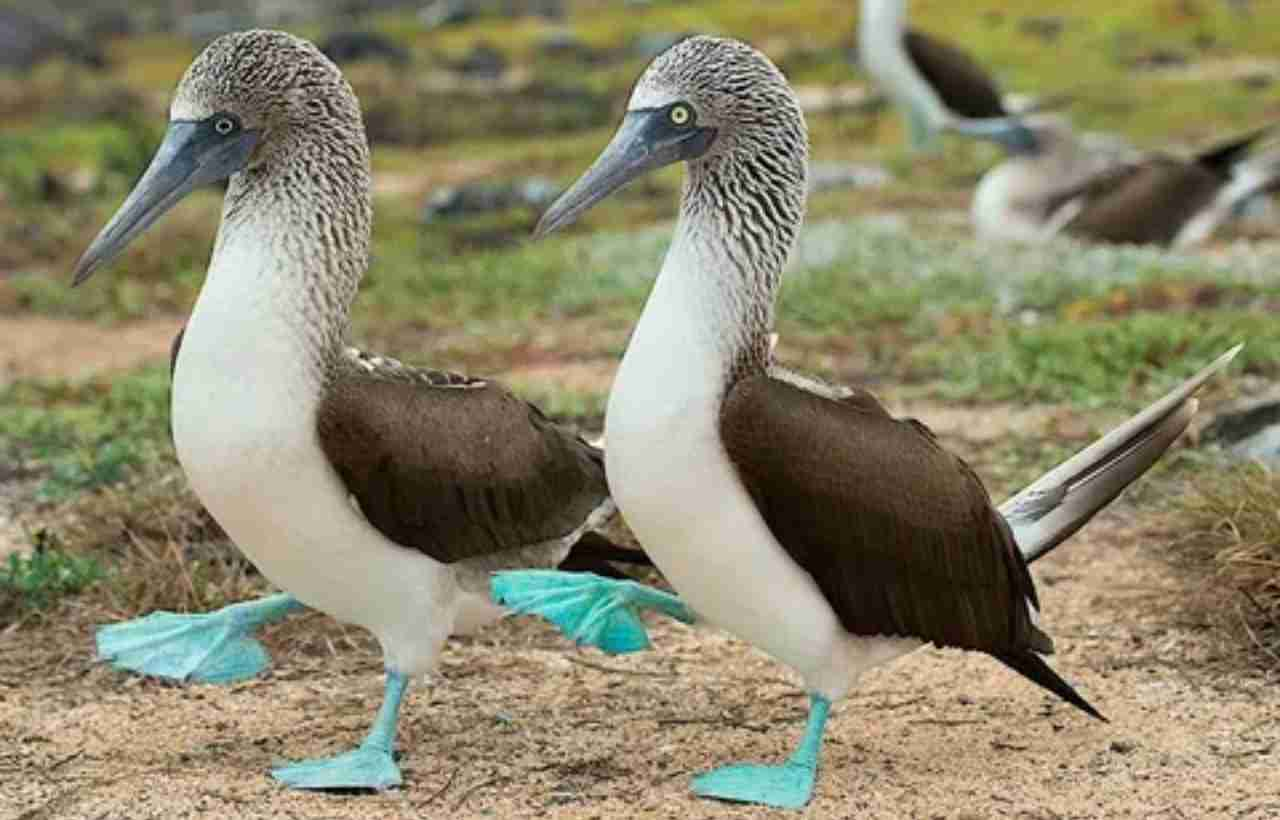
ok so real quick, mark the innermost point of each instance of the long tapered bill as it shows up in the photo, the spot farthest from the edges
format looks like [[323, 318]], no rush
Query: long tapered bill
[[1008, 131], [188, 158], [644, 142]]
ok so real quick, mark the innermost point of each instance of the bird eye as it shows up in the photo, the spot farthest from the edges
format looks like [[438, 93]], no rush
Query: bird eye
[[681, 114], [224, 126]]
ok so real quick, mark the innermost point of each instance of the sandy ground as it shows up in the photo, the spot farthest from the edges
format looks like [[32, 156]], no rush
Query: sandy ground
[[518, 724]]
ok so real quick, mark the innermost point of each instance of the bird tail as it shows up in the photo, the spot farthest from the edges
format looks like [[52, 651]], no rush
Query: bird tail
[[1033, 668], [1250, 177], [1063, 500], [1223, 156]]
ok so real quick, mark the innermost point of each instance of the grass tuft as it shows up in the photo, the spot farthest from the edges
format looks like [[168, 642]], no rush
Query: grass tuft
[[1233, 516], [37, 581]]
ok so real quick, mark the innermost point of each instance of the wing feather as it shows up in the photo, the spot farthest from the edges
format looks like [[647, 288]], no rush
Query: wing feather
[[456, 468], [899, 534]]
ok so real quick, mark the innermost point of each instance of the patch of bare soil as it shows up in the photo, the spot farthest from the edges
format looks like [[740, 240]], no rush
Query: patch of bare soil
[[38, 347], [519, 724]]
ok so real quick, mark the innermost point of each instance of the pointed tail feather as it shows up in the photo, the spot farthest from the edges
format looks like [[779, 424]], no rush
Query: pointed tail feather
[[1032, 667], [1063, 500], [1222, 156], [1256, 175]]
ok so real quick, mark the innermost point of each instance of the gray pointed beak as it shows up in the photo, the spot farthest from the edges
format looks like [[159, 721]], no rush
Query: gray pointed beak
[[1009, 132], [646, 141], [190, 156]]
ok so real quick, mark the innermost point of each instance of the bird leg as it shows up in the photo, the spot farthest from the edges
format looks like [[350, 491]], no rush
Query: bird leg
[[922, 134], [213, 647], [370, 765], [589, 609], [789, 786]]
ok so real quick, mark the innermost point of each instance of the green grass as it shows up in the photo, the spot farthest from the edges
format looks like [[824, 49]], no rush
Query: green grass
[[38, 581], [1095, 363], [87, 435]]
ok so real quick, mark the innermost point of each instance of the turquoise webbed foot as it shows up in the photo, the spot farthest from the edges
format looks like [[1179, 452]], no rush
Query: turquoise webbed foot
[[589, 609], [364, 767], [789, 786], [369, 766], [215, 647]]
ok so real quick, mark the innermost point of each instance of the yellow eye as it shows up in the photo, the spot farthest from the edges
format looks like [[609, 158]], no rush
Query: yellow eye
[[681, 115]]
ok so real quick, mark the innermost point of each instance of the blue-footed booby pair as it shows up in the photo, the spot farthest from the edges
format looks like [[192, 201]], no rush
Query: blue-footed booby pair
[[379, 493], [799, 516], [1056, 185], [937, 86]]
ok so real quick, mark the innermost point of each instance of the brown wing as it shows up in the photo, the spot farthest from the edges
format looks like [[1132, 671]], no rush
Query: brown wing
[[1145, 202], [453, 467], [962, 84], [899, 534]]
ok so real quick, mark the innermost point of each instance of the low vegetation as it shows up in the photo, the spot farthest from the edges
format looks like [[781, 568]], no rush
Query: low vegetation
[[887, 289], [1233, 517]]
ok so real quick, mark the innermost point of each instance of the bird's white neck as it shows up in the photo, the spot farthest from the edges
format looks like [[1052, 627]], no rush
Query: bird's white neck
[[683, 348], [883, 18], [708, 318], [881, 29], [256, 314]]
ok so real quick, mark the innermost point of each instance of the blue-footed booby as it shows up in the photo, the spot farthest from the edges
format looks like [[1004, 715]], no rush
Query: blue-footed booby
[[379, 493], [1056, 185], [937, 86], [799, 516]]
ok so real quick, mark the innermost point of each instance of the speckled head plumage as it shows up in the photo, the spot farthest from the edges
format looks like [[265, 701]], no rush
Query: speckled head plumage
[[735, 90], [721, 107], [273, 114], [724, 109], [276, 84]]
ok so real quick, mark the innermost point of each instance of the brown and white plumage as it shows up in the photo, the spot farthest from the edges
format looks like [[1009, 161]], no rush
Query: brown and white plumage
[[802, 517], [937, 85], [960, 82], [377, 492], [1059, 186], [456, 468]]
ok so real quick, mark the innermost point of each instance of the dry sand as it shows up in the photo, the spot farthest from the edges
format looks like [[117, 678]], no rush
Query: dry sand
[[518, 724]]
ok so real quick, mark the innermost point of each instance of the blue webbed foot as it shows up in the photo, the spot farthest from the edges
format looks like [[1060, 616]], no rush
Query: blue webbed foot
[[210, 648], [365, 767], [589, 609], [369, 766], [788, 786]]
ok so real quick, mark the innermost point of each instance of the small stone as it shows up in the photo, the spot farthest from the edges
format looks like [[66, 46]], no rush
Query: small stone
[[1123, 747], [1249, 433]]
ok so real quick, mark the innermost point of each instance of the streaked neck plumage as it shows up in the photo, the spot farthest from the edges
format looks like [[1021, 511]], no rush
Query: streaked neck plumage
[[881, 29], [294, 239], [740, 218]]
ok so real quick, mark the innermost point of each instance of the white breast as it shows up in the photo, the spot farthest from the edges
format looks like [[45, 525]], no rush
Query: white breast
[[244, 427], [677, 490], [1009, 204]]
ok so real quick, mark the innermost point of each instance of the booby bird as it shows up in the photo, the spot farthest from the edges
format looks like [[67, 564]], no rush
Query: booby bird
[[379, 493], [801, 517], [1055, 185], [936, 85]]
